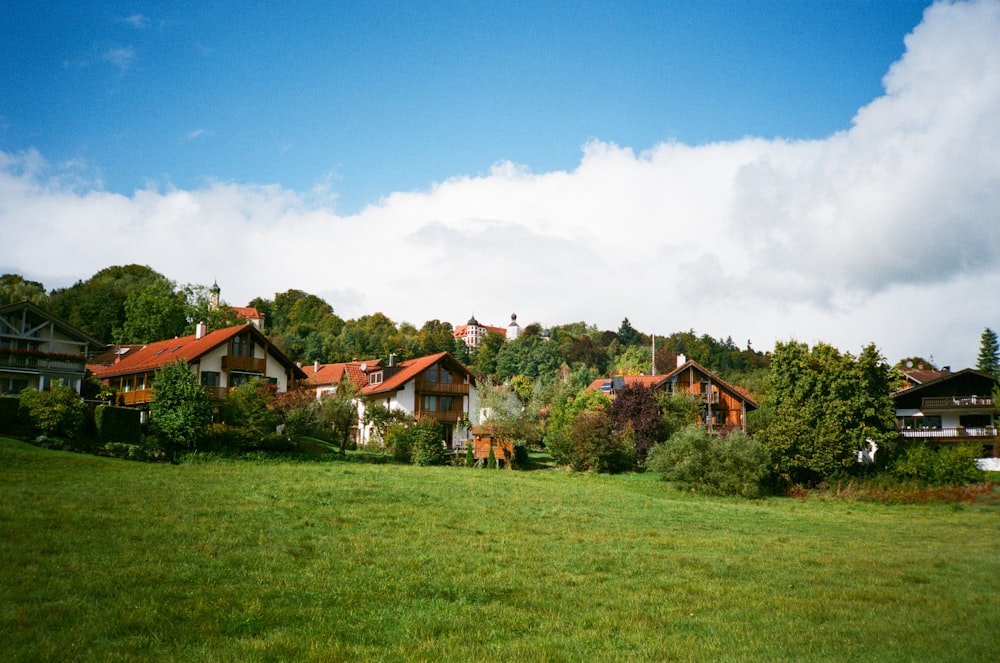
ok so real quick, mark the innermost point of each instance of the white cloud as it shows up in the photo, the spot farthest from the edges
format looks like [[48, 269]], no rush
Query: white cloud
[[888, 231], [136, 21], [120, 57]]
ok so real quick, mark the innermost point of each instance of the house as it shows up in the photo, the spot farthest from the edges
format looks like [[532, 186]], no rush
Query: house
[[473, 333], [954, 407], [221, 359], [916, 376], [37, 349], [437, 386], [326, 378], [724, 407]]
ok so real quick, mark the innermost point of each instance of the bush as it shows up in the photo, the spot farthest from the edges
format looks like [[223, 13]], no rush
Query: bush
[[9, 406], [589, 443], [398, 442], [118, 424], [695, 459], [58, 411], [951, 465], [418, 443]]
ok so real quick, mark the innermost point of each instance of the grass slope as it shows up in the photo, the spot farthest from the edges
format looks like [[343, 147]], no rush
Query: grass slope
[[222, 561]]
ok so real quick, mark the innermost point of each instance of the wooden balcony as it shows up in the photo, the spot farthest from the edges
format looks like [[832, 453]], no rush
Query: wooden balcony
[[245, 364], [447, 417], [136, 397], [961, 432], [216, 393], [423, 386]]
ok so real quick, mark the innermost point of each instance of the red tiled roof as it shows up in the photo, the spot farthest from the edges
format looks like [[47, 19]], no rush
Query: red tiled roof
[[649, 381], [334, 373], [461, 330], [115, 352], [247, 312], [189, 348]]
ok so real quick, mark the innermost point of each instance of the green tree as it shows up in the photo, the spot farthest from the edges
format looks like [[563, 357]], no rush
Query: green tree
[[627, 335], [989, 353], [153, 313], [695, 459], [339, 413], [484, 358], [14, 288], [198, 308], [97, 306], [250, 407], [56, 411], [531, 356], [823, 406], [181, 409], [436, 336]]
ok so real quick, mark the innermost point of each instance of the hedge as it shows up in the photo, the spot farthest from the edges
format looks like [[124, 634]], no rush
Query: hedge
[[118, 424]]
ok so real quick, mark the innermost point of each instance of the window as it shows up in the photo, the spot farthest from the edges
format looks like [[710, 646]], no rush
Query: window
[[236, 379], [437, 374], [210, 378], [242, 347], [375, 378], [932, 422]]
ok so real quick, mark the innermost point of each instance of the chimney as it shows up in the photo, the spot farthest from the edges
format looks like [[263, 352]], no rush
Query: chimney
[[392, 359], [681, 359], [316, 366], [200, 330]]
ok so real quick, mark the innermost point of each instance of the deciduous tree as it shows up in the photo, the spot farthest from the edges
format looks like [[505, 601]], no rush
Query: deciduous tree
[[181, 409]]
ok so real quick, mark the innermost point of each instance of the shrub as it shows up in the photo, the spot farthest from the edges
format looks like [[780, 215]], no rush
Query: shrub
[[398, 442], [426, 447], [57, 411], [695, 459], [951, 465], [590, 443], [118, 424]]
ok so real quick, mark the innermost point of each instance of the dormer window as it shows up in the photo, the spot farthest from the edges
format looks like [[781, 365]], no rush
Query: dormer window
[[375, 378]]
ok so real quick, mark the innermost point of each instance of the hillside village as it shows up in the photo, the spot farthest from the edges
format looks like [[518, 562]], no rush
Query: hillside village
[[598, 400]]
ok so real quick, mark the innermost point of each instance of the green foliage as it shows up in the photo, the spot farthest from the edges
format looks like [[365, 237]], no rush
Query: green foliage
[[484, 358], [118, 424], [590, 443], [822, 407], [398, 442], [950, 465], [697, 460], [381, 419], [14, 288], [97, 306], [528, 355], [338, 414], [56, 411], [989, 353], [181, 409], [249, 406], [417, 442], [680, 410], [491, 458], [627, 335], [152, 313]]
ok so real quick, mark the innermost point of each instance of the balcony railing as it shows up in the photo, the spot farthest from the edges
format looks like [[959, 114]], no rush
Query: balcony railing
[[36, 363], [446, 417], [951, 402], [216, 393], [135, 397], [958, 432], [427, 387], [247, 364]]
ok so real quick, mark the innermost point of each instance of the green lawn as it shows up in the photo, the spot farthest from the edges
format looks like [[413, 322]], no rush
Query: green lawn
[[104, 559]]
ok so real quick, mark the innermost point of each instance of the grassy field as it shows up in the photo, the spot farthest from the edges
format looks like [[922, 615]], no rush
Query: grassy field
[[104, 559]]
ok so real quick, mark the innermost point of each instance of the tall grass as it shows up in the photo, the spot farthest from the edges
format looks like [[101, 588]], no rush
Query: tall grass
[[107, 559]]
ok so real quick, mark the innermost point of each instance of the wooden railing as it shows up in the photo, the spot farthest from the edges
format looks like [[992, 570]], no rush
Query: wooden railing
[[445, 417], [423, 386], [216, 393], [947, 402], [248, 364], [135, 397]]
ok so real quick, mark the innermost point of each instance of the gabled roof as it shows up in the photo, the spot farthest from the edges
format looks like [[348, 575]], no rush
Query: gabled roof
[[945, 377], [63, 326], [114, 354], [189, 348], [921, 375], [715, 379], [405, 371], [247, 313], [657, 381]]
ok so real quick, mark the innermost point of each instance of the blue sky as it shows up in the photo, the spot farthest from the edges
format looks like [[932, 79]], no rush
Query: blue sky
[[817, 171], [374, 97]]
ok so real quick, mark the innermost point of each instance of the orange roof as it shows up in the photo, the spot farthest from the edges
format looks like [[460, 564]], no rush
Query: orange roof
[[461, 330], [334, 373], [648, 381], [408, 370], [189, 348], [247, 312]]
